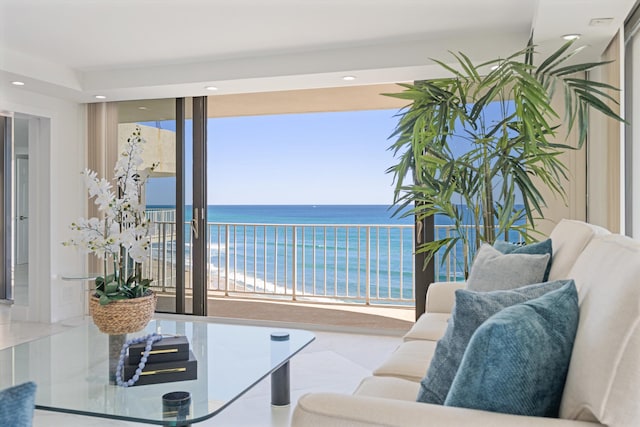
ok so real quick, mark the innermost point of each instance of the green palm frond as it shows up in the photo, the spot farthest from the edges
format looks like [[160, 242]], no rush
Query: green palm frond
[[504, 156]]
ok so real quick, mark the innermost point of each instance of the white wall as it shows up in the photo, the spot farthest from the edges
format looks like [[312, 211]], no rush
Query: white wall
[[605, 201], [57, 158], [634, 120], [574, 207], [598, 154], [20, 136]]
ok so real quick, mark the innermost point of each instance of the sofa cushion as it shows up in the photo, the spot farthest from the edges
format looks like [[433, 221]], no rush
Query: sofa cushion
[[17, 404], [471, 309], [441, 296], [569, 238], [388, 387], [603, 383], [538, 248], [409, 361], [429, 326], [340, 410], [493, 270], [517, 361]]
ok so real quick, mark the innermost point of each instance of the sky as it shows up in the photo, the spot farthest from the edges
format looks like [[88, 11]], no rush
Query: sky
[[311, 158]]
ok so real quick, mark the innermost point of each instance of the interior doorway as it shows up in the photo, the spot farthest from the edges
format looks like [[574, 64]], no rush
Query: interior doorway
[[24, 130], [18, 134]]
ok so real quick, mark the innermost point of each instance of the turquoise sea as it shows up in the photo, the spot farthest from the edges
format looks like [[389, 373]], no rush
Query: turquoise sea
[[330, 244], [301, 214], [330, 259], [304, 214]]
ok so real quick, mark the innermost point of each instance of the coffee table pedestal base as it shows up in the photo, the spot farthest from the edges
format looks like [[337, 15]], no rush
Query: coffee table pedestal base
[[280, 388]]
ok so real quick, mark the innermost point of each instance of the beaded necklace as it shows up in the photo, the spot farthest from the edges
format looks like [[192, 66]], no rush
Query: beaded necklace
[[150, 339]]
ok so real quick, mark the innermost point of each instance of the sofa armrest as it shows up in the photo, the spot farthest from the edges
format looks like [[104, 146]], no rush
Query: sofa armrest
[[339, 410], [441, 296]]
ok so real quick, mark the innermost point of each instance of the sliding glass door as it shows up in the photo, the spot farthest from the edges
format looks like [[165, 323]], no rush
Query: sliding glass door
[[199, 228], [175, 197], [156, 120]]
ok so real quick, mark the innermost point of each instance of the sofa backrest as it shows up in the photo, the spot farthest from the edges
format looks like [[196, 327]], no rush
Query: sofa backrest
[[568, 240], [603, 383]]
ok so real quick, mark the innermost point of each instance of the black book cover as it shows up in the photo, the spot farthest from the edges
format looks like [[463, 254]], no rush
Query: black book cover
[[166, 350], [163, 372]]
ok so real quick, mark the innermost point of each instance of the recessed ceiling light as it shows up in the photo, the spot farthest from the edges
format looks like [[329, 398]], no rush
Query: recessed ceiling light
[[142, 108], [212, 88], [17, 83], [571, 36], [100, 97], [349, 78]]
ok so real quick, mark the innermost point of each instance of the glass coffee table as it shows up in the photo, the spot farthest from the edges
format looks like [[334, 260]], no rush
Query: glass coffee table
[[74, 372]]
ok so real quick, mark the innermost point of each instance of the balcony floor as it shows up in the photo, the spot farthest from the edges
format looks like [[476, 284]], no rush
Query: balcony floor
[[329, 316], [335, 317], [334, 362]]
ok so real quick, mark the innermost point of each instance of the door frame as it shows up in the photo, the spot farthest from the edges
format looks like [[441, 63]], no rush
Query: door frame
[[180, 196], [20, 157], [6, 183], [199, 264], [199, 243]]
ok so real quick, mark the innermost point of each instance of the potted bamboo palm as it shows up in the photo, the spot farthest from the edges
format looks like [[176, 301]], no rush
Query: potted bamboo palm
[[469, 145]]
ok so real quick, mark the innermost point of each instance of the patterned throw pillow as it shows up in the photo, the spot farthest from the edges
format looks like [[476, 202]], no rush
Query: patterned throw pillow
[[470, 310], [517, 361], [17, 404]]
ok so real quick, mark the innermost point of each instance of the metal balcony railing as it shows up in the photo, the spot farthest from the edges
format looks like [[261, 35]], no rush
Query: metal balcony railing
[[354, 263], [330, 262], [357, 263]]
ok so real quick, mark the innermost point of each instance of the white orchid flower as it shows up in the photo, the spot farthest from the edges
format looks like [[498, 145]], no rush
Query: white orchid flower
[[125, 228]]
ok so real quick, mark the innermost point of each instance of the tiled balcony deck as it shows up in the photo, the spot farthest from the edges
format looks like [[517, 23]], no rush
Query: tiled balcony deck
[[376, 318], [334, 317]]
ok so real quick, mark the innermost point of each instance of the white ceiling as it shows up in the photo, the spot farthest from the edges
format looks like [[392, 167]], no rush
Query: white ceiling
[[136, 49]]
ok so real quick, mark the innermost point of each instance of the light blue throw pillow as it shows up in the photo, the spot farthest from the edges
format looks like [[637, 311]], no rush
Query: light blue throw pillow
[[17, 404], [517, 361], [539, 248], [492, 270], [470, 310]]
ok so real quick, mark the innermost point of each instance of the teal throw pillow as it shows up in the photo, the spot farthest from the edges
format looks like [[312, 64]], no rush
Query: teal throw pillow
[[17, 404], [492, 270], [539, 248], [517, 361], [470, 310]]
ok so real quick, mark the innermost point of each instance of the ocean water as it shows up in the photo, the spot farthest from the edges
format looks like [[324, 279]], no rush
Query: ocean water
[[305, 214], [258, 243], [330, 246]]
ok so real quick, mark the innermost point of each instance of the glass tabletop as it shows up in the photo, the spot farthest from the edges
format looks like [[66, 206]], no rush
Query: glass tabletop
[[72, 369]]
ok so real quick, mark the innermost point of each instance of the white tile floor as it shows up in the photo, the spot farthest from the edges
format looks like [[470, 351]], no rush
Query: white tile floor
[[333, 362]]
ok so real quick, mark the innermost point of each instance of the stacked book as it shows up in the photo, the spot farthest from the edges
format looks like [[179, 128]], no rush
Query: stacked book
[[169, 360]]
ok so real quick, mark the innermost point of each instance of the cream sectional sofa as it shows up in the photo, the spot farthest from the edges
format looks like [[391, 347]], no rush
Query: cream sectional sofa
[[603, 383]]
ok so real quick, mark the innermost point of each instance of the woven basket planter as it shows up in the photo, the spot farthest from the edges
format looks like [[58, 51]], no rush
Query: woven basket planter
[[123, 316]]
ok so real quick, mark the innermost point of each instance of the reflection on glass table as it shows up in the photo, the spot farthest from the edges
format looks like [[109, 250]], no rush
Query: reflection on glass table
[[74, 372]]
